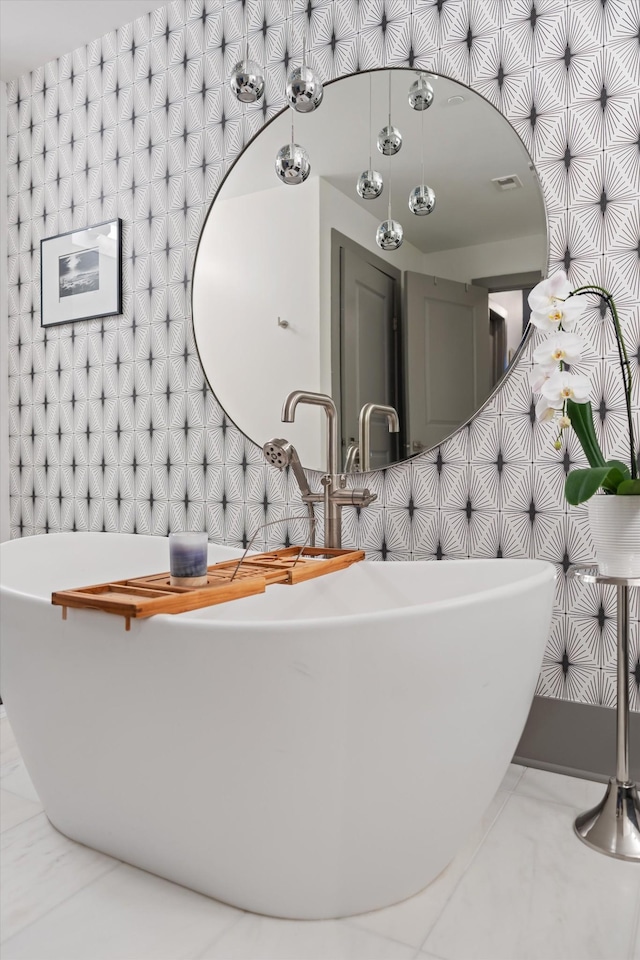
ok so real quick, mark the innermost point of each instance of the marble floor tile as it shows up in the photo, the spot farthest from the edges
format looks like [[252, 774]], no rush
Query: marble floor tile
[[125, 914], [411, 920], [40, 868], [556, 788], [534, 891], [264, 938], [15, 809]]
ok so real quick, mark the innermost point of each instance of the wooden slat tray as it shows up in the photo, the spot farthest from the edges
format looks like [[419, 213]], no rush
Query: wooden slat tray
[[140, 597], [291, 566]]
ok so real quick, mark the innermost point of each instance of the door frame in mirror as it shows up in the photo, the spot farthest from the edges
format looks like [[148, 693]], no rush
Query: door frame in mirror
[[341, 241]]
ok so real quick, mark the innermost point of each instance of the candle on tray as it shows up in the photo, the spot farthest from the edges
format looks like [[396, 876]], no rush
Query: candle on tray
[[188, 559]]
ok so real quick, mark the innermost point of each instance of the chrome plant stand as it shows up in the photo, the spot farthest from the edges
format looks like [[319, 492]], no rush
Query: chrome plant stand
[[613, 826]]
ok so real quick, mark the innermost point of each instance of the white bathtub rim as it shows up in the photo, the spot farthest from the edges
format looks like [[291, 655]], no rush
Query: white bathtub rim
[[545, 572]]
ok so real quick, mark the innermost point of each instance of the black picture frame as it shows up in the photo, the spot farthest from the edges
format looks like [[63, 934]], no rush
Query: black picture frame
[[81, 274]]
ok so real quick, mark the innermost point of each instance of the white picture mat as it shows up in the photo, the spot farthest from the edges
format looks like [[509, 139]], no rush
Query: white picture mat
[[97, 303]]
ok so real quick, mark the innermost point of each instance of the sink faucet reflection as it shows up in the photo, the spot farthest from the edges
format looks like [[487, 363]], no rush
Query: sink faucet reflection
[[336, 495], [352, 459], [364, 425]]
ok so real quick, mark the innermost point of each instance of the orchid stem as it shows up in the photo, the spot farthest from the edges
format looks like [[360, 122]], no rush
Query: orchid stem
[[625, 366]]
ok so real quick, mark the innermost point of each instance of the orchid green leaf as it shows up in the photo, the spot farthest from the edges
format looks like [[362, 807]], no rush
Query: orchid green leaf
[[629, 488], [581, 485], [618, 473], [581, 416]]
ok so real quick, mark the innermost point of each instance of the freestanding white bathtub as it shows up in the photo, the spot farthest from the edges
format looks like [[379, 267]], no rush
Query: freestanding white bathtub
[[316, 751]]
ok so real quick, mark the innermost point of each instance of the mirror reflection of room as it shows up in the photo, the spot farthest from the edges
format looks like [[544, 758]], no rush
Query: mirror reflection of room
[[428, 328]]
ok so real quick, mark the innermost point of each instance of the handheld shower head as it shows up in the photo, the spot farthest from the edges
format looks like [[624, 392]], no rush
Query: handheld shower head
[[280, 453]]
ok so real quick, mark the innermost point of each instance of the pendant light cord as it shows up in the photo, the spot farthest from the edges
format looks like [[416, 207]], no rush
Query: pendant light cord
[[246, 30], [290, 19], [422, 145], [370, 119], [389, 207]]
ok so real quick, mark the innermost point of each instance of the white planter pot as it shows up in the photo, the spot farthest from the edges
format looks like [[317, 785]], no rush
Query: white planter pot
[[615, 529]]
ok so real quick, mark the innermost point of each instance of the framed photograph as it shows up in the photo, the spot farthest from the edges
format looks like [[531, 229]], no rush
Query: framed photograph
[[81, 274]]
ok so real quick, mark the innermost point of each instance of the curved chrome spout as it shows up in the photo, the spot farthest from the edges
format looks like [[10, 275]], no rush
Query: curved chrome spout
[[332, 531], [352, 459], [364, 429], [317, 400]]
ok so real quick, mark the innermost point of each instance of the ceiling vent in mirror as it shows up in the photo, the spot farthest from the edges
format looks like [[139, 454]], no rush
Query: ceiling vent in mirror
[[511, 182]]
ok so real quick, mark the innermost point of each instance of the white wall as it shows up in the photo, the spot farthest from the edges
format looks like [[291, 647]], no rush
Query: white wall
[[488, 259], [240, 290], [4, 325], [511, 302]]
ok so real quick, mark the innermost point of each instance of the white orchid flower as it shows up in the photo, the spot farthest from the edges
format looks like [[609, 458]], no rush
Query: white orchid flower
[[560, 348], [563, 386], [550, 307], [544, 411], [558, 315], [537, 376], [546, 293]]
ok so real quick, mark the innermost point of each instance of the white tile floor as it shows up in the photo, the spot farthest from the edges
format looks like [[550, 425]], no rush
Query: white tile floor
[[522, 888]]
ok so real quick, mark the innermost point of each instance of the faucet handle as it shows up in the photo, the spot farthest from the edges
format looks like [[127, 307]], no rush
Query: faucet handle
[[356, 497]]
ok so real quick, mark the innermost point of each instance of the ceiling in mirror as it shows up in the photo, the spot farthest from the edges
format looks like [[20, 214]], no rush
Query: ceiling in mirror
[[291, 289]]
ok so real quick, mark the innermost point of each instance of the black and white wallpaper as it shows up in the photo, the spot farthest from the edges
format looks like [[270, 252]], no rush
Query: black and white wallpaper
[[112, 426]]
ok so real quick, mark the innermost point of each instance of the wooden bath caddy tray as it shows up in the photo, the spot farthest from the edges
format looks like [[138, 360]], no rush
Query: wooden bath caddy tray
[[146, 596]]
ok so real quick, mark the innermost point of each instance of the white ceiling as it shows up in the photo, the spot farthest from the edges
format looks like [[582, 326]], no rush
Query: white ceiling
[[466, 146], [32, 32]]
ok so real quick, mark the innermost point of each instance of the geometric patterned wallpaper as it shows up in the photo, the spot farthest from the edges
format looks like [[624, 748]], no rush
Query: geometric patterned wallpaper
[[112, 426]]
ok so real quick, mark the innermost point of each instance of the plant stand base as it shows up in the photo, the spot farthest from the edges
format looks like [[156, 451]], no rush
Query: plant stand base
[[613, 826]]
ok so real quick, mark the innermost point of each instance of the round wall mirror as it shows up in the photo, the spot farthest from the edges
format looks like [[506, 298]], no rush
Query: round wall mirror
[[293, 291]]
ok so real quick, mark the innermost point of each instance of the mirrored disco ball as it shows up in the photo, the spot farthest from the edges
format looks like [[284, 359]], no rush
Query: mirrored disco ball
[[422, 200], [421, 94], [247, 81], [389, 141], [304, 89], [370, 184], [292, 164], [389, 235]]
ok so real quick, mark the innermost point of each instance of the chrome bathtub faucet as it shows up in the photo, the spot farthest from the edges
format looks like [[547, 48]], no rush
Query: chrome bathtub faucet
[[336, 495], [364, 430]]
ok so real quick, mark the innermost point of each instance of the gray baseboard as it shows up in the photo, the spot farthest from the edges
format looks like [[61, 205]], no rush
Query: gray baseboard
[[577, 739]]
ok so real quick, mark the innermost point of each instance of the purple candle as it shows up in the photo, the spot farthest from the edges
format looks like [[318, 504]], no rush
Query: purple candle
[[188, 559]]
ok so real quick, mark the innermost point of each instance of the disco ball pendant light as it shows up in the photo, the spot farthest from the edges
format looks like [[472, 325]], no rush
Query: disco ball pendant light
[[389, 138], [389, 234], [421, 93], [292, 162], [304, 87], [422, 199], [247, 79], [370, 183]]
